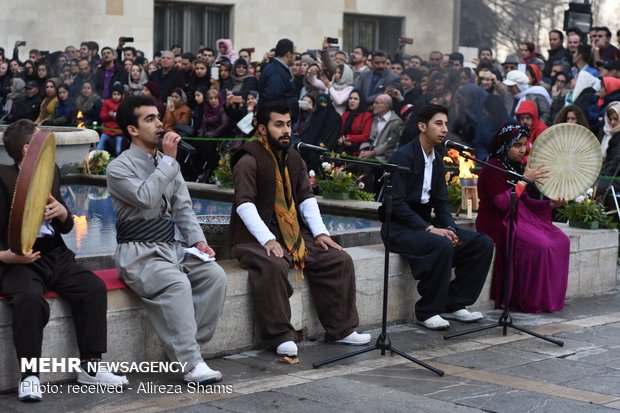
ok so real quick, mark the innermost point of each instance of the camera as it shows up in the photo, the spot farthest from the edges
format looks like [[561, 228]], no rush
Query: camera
[[215, 72], [332, 40], [406, 40], [21, 43], [127, 39]]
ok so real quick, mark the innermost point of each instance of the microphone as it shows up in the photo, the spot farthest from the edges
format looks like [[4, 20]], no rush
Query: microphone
[[457, 146], [307, 147], [186, 147]]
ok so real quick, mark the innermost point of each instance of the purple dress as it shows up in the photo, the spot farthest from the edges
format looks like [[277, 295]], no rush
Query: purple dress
[[541, 250]]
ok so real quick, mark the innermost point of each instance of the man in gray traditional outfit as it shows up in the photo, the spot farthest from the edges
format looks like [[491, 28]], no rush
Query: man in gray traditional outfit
[[182, 294]]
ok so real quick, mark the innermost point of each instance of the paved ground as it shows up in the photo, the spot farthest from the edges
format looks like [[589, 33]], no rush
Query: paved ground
[[485, 372]]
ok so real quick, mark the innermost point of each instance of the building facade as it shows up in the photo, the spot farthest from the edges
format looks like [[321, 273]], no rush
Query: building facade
[[158, 24]]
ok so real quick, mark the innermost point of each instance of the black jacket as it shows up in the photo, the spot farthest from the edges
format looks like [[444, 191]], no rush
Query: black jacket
[[8, 178], [119, 75], [407, 210], [276, 83], [167, 82], [557, 55], [26, 109]]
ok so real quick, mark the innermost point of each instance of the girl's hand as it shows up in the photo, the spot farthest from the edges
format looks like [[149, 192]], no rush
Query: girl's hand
[[558, 203], [536, 174]]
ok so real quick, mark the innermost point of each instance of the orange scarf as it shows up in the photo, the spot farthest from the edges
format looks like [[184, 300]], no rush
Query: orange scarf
[[286, 214]]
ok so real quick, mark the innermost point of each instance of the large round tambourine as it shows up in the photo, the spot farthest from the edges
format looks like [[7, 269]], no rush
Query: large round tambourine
[[573, 157], [32, 190]]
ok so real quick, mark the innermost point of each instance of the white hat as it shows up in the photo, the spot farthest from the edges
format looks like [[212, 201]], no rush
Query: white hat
[[516, 77]]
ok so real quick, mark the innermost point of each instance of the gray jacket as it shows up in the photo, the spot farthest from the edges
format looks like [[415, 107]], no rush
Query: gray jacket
[[385, 143]]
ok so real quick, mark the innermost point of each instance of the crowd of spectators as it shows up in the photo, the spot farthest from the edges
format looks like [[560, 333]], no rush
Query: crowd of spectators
[[363, 102]]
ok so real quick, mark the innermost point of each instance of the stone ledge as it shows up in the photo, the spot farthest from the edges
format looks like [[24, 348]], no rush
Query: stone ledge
[[131, 336]]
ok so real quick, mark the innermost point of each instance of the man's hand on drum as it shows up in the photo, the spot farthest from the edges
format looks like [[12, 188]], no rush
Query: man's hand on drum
[[55, 209]]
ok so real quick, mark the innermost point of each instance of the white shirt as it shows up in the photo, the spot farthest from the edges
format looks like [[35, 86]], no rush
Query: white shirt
[[382, 121], [46, 228], [428, 175], [309, 210]]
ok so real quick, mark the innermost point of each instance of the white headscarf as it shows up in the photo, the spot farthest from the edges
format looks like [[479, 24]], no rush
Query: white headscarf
[[584, 81], [17, 91], [534, 90], [346, 78], [609, 131]]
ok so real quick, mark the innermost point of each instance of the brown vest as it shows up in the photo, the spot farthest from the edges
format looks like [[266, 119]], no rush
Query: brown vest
[[266, 194]]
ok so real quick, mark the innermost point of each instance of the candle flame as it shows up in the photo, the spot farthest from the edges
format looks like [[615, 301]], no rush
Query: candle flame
[[80, 116]]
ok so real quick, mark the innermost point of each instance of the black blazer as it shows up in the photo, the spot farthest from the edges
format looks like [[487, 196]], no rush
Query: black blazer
[[407, 190], [8, 178]]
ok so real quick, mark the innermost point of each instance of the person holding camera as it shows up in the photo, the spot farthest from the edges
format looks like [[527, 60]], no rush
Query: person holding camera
[[177, 111], [125, 52], [108, 72], [376, 82]]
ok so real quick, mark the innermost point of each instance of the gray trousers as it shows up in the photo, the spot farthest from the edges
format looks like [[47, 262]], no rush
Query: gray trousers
[[183, 296]]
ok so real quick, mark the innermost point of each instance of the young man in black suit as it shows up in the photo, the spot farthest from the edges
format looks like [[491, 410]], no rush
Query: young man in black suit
[[50, 265], [433, 245]]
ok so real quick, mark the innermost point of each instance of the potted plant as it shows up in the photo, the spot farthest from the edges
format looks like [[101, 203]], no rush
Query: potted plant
[[455, 192], [96, 164], [337, 183], [584, 212], [223, 173]]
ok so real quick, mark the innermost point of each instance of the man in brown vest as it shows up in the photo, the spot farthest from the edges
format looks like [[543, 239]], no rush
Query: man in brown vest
[[276, 225]]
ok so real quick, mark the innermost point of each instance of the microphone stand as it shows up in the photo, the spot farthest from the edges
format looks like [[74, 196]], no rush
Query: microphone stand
[[505, 319], [383, 342]]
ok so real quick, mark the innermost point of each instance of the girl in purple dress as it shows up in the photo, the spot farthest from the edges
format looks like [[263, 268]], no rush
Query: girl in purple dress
[[541, 250]]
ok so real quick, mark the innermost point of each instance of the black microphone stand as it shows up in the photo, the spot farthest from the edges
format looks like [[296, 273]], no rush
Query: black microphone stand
[[383, 342], [505, 319]]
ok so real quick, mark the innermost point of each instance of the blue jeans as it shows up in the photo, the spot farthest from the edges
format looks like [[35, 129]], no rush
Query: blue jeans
[[104, 139]]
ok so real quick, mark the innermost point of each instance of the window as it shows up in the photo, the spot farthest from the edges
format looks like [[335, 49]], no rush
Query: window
[[189, 25], [372, 32]]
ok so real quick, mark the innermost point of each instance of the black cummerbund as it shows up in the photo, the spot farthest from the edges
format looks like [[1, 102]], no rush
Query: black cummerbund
[[145, 230]]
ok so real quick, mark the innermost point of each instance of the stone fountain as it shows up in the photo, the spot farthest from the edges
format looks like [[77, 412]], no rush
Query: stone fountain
[[72, 146]]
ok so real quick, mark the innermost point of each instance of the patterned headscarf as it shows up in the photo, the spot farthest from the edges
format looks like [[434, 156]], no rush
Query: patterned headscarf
[[506, 136]]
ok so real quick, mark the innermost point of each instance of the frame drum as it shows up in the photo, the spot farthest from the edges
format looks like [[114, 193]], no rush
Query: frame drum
[[573, 157], [32, 190]]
